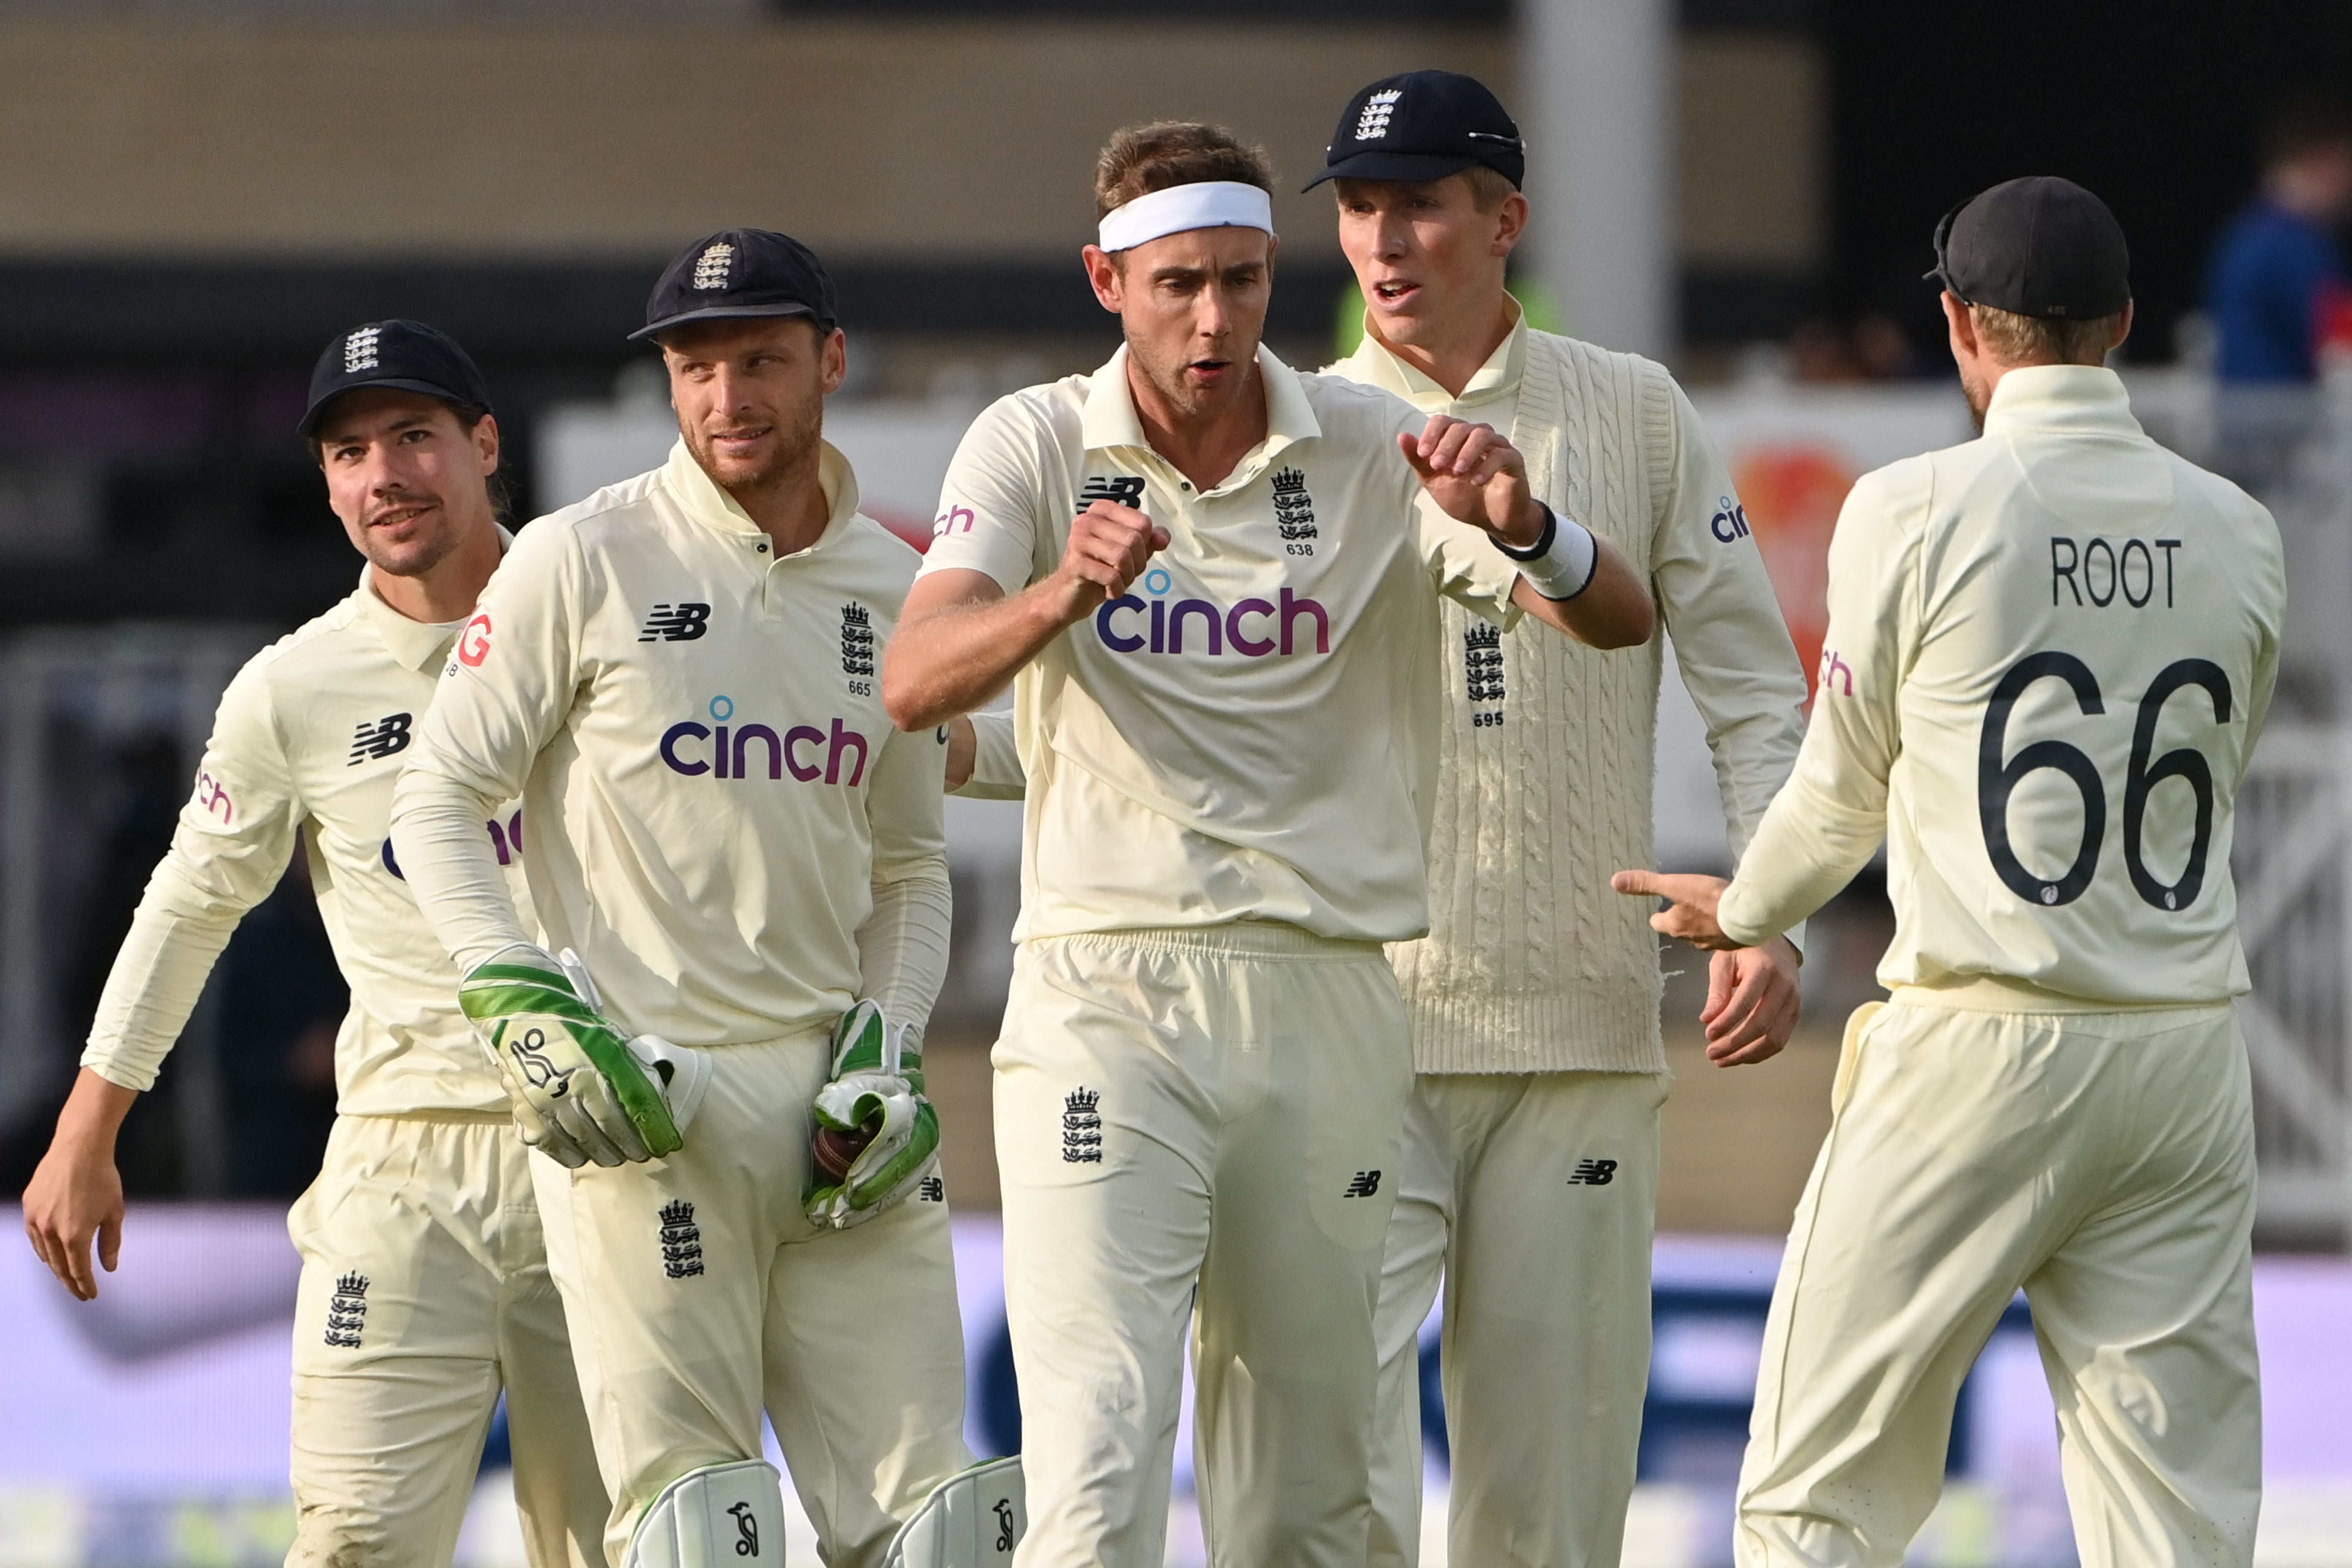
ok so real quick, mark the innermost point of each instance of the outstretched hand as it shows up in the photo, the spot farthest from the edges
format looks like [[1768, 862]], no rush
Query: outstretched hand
[[1475, 476], [1691, 903]]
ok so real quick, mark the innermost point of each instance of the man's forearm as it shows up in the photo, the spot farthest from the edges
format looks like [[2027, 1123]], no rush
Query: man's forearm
[[902, 947], [176, 935], [451, 867], [957, 657], [93, 1113], [1804, 852]]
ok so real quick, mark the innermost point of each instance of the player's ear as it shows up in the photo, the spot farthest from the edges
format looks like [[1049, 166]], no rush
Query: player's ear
[[1510, 223], [486, 443], [833, 354], [1108, 275], [2123, 328], [1963, 327]]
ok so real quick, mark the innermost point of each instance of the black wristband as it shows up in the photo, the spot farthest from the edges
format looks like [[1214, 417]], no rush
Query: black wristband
[[1534, 552]]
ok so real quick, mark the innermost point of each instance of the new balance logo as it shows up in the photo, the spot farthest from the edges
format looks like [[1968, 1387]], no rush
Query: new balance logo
[[1374, 123], [1119, 489], [711, 267], [681, 1240], [1082, 1136], [379, 739], [1593, 1174], [856, 640], [358, 351], [931, 1190], [347, 1311], [1365, 1184], [681, 622]]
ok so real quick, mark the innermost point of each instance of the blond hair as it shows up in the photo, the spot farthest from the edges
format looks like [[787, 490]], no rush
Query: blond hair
[[2020, 340]]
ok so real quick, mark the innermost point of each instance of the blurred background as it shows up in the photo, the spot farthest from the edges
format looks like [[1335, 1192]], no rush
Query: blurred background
[[196, 195]]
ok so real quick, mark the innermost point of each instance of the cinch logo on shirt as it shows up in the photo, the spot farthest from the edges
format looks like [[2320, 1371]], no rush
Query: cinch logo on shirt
[[1253, 628], [798, 750]]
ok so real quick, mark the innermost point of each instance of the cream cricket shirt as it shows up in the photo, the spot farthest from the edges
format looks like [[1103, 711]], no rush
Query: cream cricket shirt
[[2049, 653], [1491, 396], [1251, 733], [307, 739], [734, 836]]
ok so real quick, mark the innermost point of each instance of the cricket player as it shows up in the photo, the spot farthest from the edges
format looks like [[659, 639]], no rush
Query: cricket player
[[1217, 582], [742, 867], [425, 1288], [1529, 1174], [2049, 653]]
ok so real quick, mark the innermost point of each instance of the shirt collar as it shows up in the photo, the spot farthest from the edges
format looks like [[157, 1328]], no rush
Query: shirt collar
[[414, 645], [1499, 377], [701, 498], [2060, 396], [1108, 419]]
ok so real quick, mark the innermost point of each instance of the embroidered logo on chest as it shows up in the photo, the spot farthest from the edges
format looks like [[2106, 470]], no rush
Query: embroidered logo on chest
[[856, 640], [376, 739], [1482, 673], [681, 621], [1119, 489], [1293, 510]]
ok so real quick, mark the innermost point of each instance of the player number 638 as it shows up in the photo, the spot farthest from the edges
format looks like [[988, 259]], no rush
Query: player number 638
[[1996, 780]]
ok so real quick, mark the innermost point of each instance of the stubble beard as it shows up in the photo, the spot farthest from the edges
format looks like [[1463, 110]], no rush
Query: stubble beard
[[417, 556], [798, 435], [1195, 402]]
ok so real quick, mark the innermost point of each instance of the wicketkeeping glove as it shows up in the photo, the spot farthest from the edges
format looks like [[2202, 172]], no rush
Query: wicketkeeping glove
[[582, 1089], [875, 1136]]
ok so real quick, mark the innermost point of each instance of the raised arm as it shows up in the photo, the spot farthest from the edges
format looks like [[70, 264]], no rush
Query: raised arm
[[1570, 578], [1830, 818], [962, 638]]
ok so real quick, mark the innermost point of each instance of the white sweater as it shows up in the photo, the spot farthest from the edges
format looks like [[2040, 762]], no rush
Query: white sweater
[[1532, 964]]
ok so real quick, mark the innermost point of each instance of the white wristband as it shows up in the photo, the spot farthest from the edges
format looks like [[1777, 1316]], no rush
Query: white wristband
[[1563, 561]]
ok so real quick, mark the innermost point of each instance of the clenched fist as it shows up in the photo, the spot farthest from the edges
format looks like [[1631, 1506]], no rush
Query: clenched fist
[[1111, 545]]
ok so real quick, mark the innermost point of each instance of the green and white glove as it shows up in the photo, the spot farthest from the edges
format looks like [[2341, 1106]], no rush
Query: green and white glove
[[582, 1089], [875, 1136]]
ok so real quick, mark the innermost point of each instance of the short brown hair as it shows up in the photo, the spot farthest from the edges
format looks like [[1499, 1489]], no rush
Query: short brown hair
[[1489, 188], [2018, 340], [1141, 159]]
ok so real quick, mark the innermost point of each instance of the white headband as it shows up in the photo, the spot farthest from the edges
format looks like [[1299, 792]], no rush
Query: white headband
[[1211, 204]]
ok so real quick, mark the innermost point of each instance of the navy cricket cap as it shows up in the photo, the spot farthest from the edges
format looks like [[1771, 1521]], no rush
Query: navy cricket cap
[[408, 356], [1423, 125], [738, 273], [2036, 247]]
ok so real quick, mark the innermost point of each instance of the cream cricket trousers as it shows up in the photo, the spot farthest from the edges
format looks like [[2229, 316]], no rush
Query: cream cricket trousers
[[1198, 1124], [2102, 1162], [425, 1292], [700, 1293], [1533, 1196]]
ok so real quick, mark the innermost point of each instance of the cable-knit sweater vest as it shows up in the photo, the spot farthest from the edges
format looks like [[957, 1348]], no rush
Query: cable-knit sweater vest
[[1532, 964]]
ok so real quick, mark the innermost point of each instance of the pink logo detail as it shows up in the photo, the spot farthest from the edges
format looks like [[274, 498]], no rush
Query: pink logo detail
[[213, 795], [956, 519], [1833, 667], [474, 642]]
